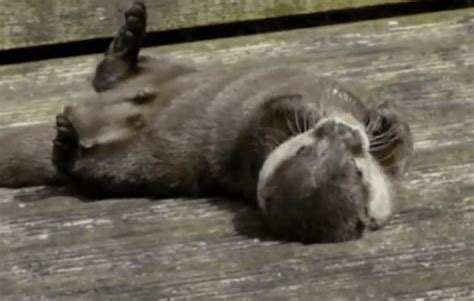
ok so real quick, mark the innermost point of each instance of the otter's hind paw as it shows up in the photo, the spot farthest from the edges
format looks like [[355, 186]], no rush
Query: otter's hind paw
[[65, 145], [121, 56], [127, 42], [135, 18]]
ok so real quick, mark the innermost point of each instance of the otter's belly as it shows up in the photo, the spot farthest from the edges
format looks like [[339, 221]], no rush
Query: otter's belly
[[202, 129], [195, 123]]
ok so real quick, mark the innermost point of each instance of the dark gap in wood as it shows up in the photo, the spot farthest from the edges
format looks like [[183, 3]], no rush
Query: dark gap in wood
[[209, 32]]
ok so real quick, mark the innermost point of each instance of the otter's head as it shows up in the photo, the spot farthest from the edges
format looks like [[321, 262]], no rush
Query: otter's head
[[323, 185]]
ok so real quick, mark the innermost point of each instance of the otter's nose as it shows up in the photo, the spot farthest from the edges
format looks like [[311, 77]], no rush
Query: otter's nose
[[343, 130], [335, 128], [351, 137], [339, 130]]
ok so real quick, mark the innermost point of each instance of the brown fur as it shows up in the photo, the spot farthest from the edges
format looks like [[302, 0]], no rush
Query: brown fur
[[161, 128]]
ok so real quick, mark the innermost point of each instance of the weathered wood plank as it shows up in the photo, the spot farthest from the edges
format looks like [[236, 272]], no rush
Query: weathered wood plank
[[30, 91], [32, 22], [60, 248]]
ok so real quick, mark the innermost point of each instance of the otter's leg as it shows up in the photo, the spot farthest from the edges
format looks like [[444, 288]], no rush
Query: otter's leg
[[66, 147], [124, 170], [120, 59], [25, 156], [391, 141]]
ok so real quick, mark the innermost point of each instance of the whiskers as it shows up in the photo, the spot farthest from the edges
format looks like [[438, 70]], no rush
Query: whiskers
[[384, 140], [294, 123], [272, 138], [387, 148], [309, 121], [298, 123], [291, 125], [390, 139]]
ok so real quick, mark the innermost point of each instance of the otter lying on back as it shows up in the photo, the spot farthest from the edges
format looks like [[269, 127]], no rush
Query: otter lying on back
[[318, 162]]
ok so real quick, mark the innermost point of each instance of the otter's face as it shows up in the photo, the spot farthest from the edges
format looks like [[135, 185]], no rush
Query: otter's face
[[323, 185]]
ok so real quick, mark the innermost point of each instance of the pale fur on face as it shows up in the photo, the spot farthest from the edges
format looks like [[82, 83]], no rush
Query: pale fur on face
[[282, 153], [380, 191], [380, 188]]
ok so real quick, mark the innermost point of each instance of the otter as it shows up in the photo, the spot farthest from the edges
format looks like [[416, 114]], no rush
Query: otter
[[318, 162]]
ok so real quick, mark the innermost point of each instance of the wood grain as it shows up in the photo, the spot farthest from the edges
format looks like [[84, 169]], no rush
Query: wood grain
[[59, 248], [32, 22]]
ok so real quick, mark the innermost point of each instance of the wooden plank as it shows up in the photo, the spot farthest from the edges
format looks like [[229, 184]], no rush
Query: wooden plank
[[60, 248], [32, 22]]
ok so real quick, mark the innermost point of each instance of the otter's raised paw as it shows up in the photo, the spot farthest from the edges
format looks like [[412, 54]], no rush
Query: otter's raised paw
[[390, 137], [65, 145], [121, 56], [135, 18], [127, 42]]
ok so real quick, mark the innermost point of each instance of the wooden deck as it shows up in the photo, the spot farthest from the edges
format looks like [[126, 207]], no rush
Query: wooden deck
[[62, 248], [33, 23]]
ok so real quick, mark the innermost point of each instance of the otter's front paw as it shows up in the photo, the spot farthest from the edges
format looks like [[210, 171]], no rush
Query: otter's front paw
[[390, 137], [65, 145]]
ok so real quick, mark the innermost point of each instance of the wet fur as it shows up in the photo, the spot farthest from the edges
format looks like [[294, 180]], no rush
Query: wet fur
[[161, 128]]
